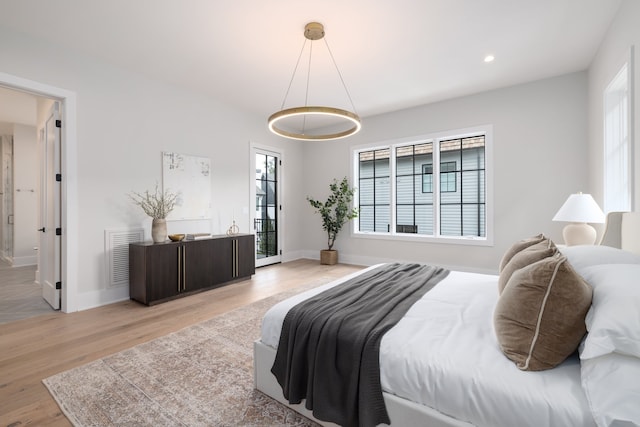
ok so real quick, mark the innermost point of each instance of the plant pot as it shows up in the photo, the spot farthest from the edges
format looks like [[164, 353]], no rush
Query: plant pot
[[159, 230], [328, 257]]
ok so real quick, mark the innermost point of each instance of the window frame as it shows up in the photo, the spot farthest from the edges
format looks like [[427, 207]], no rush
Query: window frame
[[612, 180], [393, 234]]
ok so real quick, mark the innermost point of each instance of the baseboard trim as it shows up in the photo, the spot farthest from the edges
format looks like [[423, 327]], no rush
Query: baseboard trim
[[23, 261]]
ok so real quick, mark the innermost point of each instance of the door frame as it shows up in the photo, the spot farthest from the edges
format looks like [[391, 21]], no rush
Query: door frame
[[68, 188], [252, 192]]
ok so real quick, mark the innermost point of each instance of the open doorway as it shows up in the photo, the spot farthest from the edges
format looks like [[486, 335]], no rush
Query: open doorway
[[66, 228], [21, 206]]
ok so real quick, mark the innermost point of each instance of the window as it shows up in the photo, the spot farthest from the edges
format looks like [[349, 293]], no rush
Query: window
[[373, 190], [617, 143], [396, 185]]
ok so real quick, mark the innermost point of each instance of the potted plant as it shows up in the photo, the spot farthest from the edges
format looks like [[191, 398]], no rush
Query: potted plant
[[157, 205], [335, 213]]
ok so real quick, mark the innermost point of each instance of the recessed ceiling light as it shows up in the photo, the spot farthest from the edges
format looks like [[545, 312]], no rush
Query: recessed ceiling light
[[489, 58]]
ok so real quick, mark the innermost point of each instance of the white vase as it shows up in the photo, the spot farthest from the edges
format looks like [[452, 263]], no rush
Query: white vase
[[159, 230]]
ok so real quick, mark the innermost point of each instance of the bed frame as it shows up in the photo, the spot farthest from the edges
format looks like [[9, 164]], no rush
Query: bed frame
[[402, 412], [622, 231]]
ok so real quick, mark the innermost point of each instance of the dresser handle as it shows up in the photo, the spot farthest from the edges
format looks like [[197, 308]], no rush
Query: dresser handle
[[234, 261], [184, 269], [179, 267]]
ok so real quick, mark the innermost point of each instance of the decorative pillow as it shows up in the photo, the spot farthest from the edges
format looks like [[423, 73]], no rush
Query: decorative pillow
[[539, 318], [613, 321], [532, 253], [517, 247], [583, 256]]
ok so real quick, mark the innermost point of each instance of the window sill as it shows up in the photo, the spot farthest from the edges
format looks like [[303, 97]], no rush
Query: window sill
[[466, 241]]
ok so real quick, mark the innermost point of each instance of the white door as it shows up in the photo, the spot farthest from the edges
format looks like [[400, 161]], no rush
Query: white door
[[267, 211], [49, 249]]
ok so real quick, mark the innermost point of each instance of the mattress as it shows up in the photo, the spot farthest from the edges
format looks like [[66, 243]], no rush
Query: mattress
[[444, 354]]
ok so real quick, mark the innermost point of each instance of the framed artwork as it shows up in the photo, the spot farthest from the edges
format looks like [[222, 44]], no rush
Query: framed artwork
[[190, 178]]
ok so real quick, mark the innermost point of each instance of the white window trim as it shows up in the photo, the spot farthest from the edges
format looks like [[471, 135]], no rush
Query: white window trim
[[629, 64], [487, 131]]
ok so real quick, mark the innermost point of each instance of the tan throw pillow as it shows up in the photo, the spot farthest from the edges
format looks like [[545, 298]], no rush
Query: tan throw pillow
[[517, 247], [539, 319], [533, 253]]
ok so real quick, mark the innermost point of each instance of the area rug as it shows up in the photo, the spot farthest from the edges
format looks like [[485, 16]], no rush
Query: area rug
[[199, 376]]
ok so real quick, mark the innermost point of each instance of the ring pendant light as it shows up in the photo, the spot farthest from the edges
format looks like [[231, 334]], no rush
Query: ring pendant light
[[314, 31]]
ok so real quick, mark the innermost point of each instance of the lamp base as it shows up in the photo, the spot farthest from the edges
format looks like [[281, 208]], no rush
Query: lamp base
[[579, 233]]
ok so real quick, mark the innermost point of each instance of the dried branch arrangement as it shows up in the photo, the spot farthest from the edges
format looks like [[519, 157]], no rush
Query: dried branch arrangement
[[157, 205]]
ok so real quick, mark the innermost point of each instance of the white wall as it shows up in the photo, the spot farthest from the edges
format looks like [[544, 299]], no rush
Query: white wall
[[623, 33], [25, 194], [17, 118], [539, 158], [124, 122]]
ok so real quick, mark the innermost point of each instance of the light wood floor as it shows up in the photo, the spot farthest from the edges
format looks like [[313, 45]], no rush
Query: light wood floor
[[36, 348], [20, 295]]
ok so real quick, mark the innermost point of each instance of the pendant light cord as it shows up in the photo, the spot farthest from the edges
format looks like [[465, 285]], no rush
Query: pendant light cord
[[295, 69], [340, 75], [306, 93]]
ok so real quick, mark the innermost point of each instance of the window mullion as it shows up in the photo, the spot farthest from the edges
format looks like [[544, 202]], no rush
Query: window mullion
[[393, 182], [435, 178], [375, 210], [461, 187], [413, 185]]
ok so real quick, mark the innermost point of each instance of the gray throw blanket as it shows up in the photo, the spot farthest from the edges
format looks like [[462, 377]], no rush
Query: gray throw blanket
[[329, 346]]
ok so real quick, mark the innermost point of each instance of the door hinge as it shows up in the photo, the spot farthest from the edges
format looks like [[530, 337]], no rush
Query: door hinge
[[58, 231], [280, 251], [280, 207], [58, 177], [58, 123], [58, 285]]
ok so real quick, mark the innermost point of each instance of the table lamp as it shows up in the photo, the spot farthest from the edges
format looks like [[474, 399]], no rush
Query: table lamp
[[579, 209]]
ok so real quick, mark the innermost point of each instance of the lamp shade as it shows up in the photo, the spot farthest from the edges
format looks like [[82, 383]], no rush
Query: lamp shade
[[580, 208]]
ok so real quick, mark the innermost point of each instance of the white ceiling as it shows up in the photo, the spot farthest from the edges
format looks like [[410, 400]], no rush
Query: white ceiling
[[392, 54]]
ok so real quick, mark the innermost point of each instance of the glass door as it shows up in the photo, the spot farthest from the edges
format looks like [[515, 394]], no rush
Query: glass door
[[267, 207]]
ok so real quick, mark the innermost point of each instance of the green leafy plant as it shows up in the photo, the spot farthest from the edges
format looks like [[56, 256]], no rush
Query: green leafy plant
[[158, 205], [335, 211]]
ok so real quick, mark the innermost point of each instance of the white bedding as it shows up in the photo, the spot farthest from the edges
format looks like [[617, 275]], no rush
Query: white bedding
[[444, 354]]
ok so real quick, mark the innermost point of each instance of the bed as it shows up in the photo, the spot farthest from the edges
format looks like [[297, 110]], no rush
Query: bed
[[445, 363]]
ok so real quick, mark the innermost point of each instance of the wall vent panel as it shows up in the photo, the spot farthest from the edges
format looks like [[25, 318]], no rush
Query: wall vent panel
[[116, 249]]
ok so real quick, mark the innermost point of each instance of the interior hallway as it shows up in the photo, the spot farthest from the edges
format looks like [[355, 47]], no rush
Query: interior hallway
[[20, 296]]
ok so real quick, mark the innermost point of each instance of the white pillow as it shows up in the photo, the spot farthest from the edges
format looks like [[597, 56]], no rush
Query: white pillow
[[613, 321], [610, 353], [583, 256], [612, 388]]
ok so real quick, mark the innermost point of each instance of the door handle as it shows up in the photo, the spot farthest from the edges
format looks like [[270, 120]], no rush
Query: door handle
[[41, 229]]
